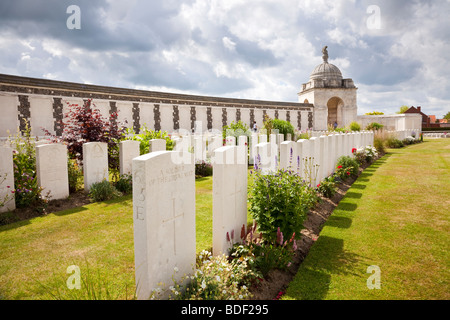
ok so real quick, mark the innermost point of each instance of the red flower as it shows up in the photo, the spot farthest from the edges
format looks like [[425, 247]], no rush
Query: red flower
[[353, 150], [348, 173], [340, 167], [318, 185]]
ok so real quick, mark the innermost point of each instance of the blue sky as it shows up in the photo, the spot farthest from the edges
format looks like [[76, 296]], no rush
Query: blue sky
[[253, 49]]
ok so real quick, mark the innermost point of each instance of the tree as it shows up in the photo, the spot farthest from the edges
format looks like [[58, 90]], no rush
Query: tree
[[447, 116], [403, 109]]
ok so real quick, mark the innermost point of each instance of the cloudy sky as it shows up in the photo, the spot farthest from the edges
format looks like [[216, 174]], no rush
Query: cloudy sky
[[396, 51]]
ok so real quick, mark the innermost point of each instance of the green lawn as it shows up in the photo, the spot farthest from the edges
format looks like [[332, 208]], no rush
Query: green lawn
[[396, 217], [35, 254]]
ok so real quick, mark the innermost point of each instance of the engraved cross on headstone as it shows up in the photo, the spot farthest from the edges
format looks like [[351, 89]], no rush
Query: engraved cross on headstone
[[174, 216]]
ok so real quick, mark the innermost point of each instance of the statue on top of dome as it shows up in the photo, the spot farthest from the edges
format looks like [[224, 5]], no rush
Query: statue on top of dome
[[325, 54]]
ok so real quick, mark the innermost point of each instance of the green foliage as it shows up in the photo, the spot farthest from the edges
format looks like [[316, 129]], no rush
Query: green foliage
[[214, 278], [263, 256], [365, 155], [203, 169], [102, 191], [447, 116], [281, 200], [346, 167], [124, 184], [283, 127], [75, 175], [303, 135], [355, 126], [403, 109], [267, 125], [392, 142], [27, 191], [146, 135], [374, 113], [327, 187], [236, 129], [374, 126]]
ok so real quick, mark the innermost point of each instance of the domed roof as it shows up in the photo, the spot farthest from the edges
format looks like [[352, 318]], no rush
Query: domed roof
[[326, 71]]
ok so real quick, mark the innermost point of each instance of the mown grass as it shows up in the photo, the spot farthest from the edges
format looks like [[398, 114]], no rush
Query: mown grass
[[395, 216], [35, 253]]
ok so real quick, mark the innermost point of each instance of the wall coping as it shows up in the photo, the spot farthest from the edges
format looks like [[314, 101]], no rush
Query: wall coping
[[27, 85]]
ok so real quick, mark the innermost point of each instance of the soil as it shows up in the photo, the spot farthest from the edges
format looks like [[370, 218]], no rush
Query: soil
[[277, 281]]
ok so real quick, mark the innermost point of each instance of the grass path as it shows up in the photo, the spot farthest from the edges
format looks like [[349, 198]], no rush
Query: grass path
[[395, 216]]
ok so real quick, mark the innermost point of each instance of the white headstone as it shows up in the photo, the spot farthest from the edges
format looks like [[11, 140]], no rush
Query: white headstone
[[264, 159], [302, 148], [229, 198], [51, 170], [252, 147], [95, 163], [288, 155], [6, 179], [214, 142], [230, 141], [128, 150], [164, 220], [157, 145]]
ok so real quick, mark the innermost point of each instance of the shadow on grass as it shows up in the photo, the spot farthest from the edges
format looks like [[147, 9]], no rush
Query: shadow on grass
[[353, 195], [69, 211], [359, 186], [347, 206], [339, 222], [326, 258]]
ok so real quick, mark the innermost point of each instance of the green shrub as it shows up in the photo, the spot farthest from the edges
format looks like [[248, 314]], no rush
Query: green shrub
[[355, 126], [374, 126], [146, 135], [327, 187], [281, 200], [203, 169], [379, 145], [283, 127], [263, 256], [124, 184], [102, 191], [75, 175], [346, 167], [236, 129], [214, 278], [27, 191], [392, 142]]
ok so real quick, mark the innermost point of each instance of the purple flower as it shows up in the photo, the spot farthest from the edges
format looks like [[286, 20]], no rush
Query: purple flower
[[279, 236]]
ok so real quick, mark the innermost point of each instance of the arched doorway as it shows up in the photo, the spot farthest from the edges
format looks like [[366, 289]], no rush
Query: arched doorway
[[335, 106]]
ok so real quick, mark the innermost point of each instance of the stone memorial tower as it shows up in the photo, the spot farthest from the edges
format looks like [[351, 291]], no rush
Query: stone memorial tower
[[333, 97]]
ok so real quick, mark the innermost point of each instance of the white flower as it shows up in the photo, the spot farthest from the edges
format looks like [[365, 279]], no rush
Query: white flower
[[175, 269], [217, 278], [203, 284]]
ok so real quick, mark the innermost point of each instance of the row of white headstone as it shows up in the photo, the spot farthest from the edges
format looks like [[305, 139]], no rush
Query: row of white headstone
[[52, 169], [437, 135], [403, 134], [164, 199]]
